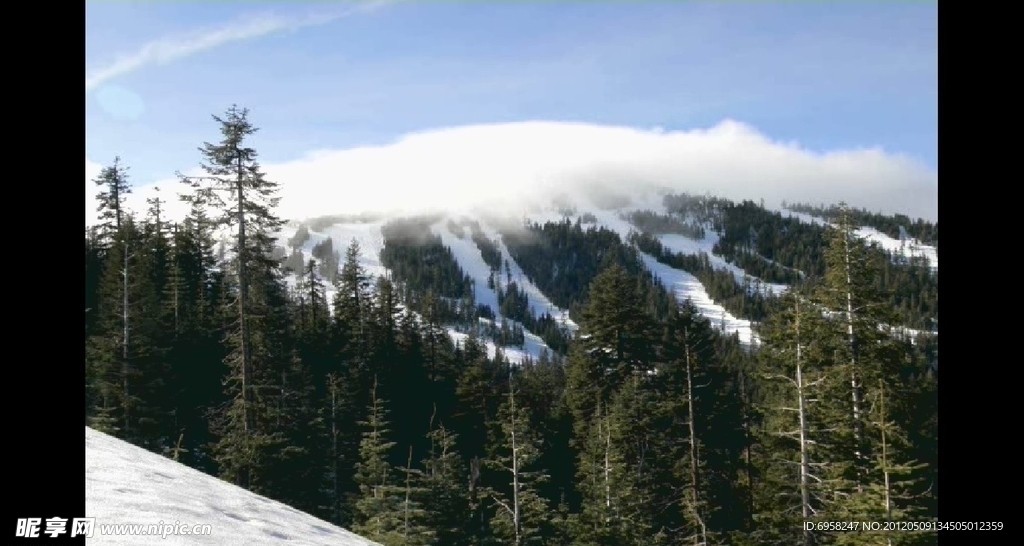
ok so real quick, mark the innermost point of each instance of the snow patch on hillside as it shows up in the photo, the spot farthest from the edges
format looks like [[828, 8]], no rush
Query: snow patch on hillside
[[125, 484], [683, 285], [531, 349], [471, 260], [539, 302], [367, 234], [682, 244], [907, 247]]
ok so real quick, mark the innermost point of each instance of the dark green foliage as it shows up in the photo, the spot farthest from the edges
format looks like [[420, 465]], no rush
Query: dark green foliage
[[422, 264], [654, 429], [798, 409], [113, 181], [658, 224], [562, 259], [616, 342], [520, 515], [748, 300], [377, 510], [250, 427], [893, 225], [444, 476]]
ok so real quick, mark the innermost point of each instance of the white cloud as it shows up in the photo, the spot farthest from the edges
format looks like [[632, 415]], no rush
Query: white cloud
[[173, 48], [503, 168], [169, 190]]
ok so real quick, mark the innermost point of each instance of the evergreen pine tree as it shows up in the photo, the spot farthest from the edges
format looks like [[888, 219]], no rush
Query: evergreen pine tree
[[444, 478], [378, 514], [521, 515], [115, 188], [616, 339], [799, 464], [244, 200]]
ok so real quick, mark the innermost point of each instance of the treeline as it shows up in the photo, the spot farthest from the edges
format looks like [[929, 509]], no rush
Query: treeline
[[891, 225], [652, 222], [656, 430], [563, 258], [427, 272], [326, 257], [747, 300], [785, 250], [769, 246], [514, 303]]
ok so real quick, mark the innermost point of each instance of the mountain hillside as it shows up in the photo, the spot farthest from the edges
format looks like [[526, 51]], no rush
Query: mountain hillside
[[127, 485], [694, 250], [625, 366]]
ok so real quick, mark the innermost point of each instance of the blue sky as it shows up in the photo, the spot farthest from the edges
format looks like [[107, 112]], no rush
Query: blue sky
[[328, 76]]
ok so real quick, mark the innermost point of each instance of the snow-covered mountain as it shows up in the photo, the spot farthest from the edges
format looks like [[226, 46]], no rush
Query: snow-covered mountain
[[128, 487], [680, 283]]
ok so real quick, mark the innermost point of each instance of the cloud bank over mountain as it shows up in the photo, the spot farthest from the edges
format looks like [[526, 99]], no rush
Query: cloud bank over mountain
[[504, 167]]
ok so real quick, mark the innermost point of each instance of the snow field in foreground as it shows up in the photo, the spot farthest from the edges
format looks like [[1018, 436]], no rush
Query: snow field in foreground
[[125, 484]]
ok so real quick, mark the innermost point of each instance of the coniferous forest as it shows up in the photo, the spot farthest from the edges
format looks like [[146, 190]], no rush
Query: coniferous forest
[[645, 427]]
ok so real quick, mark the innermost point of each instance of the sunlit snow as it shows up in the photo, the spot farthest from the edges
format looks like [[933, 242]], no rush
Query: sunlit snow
[[125, 484]]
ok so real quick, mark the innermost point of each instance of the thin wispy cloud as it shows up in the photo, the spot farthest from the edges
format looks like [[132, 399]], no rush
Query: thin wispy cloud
[[173, 48]]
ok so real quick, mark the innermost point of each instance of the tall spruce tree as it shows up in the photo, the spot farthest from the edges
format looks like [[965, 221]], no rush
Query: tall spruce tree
[[244, 201], [610, 511], [848, 291], [874, 363], [107, 353], [115, 189]]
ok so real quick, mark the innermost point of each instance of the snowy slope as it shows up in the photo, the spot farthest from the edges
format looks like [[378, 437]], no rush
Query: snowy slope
[[367, 234], [682, 244], [681, 284], [532, 347], [539, 302], [125, 484], [684, 286], [470, 259], [908, 248]]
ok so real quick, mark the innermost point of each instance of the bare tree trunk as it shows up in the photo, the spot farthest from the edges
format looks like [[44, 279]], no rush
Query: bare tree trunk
[[177, 277], [805, 465], [748, 465], [248, 423], [701, 538], [855, 388], [336, 499], [408, 477], [515, 463], [607, 470], [125, 366], [885, 458]]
